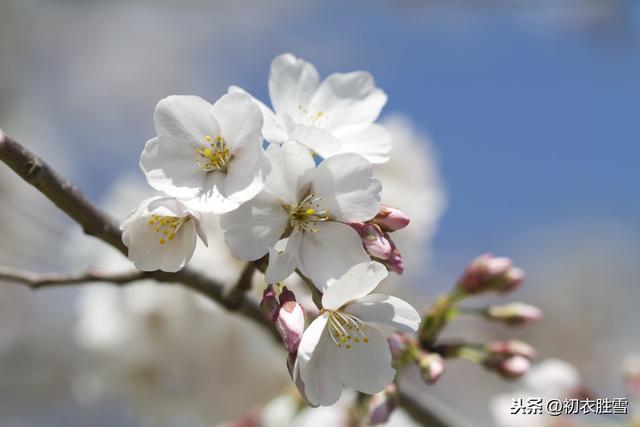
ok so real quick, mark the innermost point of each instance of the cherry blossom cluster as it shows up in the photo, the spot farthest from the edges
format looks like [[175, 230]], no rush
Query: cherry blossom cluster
[[295, 191]]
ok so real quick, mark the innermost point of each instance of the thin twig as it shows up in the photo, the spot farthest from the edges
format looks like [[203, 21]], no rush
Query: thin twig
[[100, 225], [243, 284], [46, 280]]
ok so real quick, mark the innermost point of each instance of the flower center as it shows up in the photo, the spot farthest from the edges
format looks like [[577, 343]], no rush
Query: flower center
[[306, 215], [167, 226], [213, 156], [313, 119], [346, 329]]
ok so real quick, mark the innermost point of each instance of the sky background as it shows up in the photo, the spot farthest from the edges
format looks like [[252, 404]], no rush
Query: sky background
[[531, 105]]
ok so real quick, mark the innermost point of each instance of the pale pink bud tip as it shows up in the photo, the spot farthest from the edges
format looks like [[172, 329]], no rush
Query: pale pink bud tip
[[514, 367], [269, 304], [431, 367], [632, 374], [512, 348], [374, 241], [382, 405], [290, 325], [514, 314], [487, 272], [398, 345], [391, 219]]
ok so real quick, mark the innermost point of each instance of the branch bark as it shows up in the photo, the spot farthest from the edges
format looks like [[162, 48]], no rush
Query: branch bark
[[46, 280], [96, 223]]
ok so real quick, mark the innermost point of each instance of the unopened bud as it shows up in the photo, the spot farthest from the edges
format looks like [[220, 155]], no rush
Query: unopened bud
[[374, 240], [632, 374], [487, 272], [431, 367], [290, 325], [286, 295], [514, 313], [391, 219], [398, 344], [511, 348], [269, 304], [382, 405], [395, 262], [510, 367]]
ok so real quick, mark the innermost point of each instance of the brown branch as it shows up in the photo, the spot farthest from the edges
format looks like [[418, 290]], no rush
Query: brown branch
[[96, 223], [46, 280]]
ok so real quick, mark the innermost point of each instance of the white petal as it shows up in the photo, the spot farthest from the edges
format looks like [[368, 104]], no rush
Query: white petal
[[356, 283], [330, 252], [372, 141], [148, 254], [320, 385], [185, 119], [240, 120], [212, 196], [318, 140], [347, 188], [171, 167], [365, 367], [291, 166], [348, 99], [282, 264], [254, 227], [386, 310], [292, 82], [246, 174], [272, 129]]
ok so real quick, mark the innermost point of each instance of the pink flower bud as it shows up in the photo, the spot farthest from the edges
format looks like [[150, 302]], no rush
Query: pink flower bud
[[374, 241], [632, 374], [290, 325], [398, 344], [513, 367], [431, 367], [486, 273], [510, 367], [391, 219], [511, 348], [514, 314], [382, 405], [286, 295], [395, 262], [269, 304]]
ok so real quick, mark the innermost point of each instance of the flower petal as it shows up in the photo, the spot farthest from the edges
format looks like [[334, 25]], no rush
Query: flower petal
[[366, 366], [185, 119], [254, 227], [320, 385], [348, 99], [317, 140], [372, 141], [356, 283], [386, 310], [171, 167], [282, 264], [347, 188], [240, 120], [246, 174], [292, 82], [148, 254], [330, 252], [212, 196], [272, 129], [291, 166]]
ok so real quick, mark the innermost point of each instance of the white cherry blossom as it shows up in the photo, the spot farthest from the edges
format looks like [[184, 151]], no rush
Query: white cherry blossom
[[210, 156], [161, 234], [346, 346], [300, 217], [332, 116]]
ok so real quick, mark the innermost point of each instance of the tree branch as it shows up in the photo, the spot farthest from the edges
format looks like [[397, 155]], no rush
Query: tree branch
[[96, 223], [46, 280]]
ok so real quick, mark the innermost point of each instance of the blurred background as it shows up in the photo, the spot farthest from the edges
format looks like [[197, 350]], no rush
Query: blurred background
[[516, 126]]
